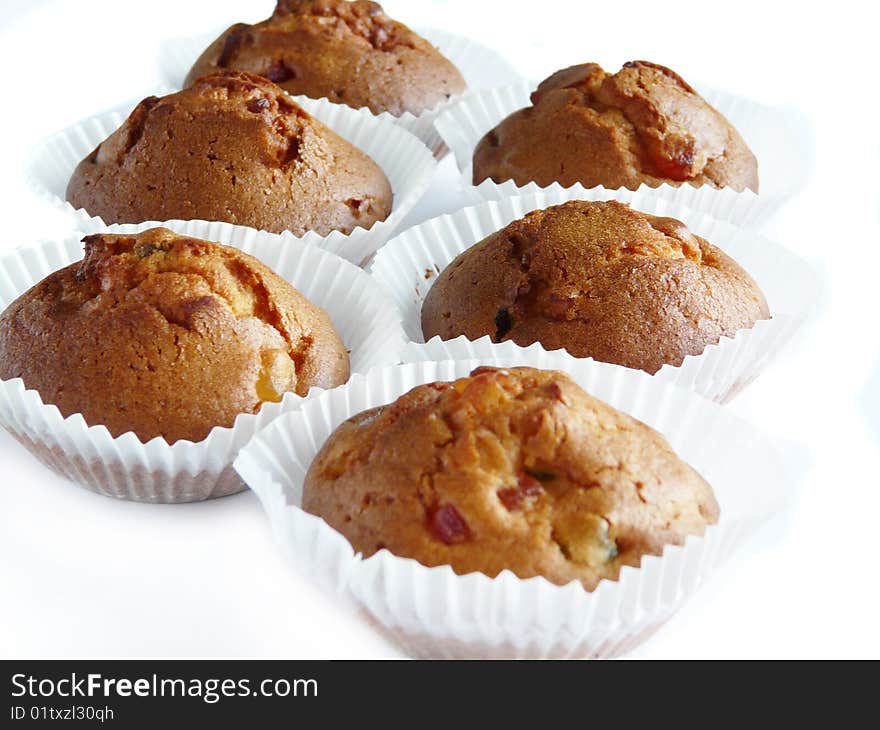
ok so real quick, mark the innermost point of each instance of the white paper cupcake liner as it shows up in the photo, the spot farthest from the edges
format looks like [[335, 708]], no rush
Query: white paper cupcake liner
[[779, 137], [432, 612], [408, 265], [185, 471], [481, 67], [406, 162]]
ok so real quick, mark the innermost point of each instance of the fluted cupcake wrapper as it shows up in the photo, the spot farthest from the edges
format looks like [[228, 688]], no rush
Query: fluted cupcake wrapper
[[186, 471], [406, 162], [408, 265], [432, 612], [779, 137], [481, 67]]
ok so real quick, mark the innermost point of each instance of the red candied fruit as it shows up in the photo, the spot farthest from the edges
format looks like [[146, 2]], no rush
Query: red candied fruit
[[447, 524], [279, 72], [258, 105], [513, 497], [675, 164], [487, 370]]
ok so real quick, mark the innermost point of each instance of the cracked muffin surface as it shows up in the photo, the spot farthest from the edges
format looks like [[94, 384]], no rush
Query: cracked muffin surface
[[515, 469], [166, 335], [233, 147], [349, 52], [600, 280], [643, 124]]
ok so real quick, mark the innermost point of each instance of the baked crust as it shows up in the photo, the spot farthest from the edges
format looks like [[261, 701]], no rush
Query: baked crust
[[515, 469], [600, 280], [349, 52], [641, 125], [166, 335], [233, 147]]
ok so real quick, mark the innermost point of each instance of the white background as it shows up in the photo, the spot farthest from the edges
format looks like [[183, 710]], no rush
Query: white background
[[86, 576]]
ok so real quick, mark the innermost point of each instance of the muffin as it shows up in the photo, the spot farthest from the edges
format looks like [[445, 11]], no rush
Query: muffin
[[600, 280], [641, 125], [349, 52], [166, 335], [235, 148], [515, 469]]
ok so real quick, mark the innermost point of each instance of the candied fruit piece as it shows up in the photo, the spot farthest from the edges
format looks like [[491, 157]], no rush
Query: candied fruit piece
[[555, 392], [675, 164], [503, 324], [583, 538], [447, 524], [542, 475], [487, 370], [233, 43], [276, 377], [279, 72], [258, 105], [514, 497]]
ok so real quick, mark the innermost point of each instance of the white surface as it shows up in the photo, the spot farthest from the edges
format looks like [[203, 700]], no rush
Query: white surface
[[86, 576]]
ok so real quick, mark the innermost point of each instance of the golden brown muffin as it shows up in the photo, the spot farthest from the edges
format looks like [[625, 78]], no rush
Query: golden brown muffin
[[513, 469], [350, 52], [232, 148], [600, 280], [644, 124], [166, 335]]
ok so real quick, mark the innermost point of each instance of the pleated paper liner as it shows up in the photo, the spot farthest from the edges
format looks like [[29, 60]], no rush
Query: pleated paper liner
[[777, 135], [406, 162], [408, 265], [432, 612], [185, 471], [481, 67]]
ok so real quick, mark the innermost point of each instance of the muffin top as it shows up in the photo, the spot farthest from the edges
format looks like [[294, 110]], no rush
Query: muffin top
[[643, 124], [350, 52], [166, 335], [233, 147], [600, 280], [515, 469]]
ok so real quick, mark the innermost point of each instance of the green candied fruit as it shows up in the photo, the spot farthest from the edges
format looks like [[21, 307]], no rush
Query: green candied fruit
[[583, 538], [542, 475]]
